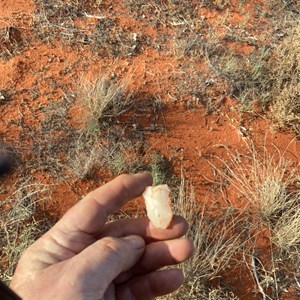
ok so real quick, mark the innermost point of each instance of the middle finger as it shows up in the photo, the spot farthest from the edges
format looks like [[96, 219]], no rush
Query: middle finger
[[144, 228], [158, 255]]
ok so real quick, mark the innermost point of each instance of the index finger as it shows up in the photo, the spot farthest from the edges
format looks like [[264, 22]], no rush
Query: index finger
[[91, 213], [79, 227]]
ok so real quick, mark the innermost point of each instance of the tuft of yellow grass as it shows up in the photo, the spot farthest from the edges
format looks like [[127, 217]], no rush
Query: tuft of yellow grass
[[286, 230], [263, 180], [285, 88], [269, 184], [102, 98]]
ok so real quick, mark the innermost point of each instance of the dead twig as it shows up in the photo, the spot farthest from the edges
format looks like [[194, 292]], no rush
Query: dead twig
[[255, 274]]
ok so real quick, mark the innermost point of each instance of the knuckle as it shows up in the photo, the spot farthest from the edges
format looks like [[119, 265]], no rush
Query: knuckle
[[123, 179], [112, 245]]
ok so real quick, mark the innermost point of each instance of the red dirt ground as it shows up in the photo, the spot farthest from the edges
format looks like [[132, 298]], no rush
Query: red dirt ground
[[190, 136]]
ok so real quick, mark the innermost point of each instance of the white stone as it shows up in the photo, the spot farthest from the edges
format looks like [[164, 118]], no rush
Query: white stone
[[158, 205]]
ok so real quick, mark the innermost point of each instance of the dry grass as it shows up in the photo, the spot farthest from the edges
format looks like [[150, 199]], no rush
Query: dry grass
[[56, 19], [263, 181], [202, 293], [285, 71], [103, 100], [269, 185], [285, 232], [121, 144], [217, 294], [123, 158], [22, 222], [11, 42], [224, 238], [161, 169], [85, 156], [246, 76], [217, 240]]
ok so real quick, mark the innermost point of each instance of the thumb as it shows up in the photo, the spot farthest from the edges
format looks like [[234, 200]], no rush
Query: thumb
[[99, 264]]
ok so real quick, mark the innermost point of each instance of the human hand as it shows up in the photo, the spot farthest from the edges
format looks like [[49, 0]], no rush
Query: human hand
[[82, 257]]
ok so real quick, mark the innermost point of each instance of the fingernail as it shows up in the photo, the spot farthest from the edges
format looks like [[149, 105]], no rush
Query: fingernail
[[135, 241]]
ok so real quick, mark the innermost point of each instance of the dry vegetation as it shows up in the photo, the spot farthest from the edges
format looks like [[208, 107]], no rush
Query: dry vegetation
[[218, 238], [285, 107], [22, 222], [102, 100], [264, 180], [268, 186], [226, 237], [113, 136]]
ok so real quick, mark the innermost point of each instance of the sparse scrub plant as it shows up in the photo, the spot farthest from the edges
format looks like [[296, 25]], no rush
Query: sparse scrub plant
[[202, 293], [285, 88], [268, 183], [269, 76], [118, 163], [285, 231], [218, 4], [22, 222], [121, 153], [85, 156], [247, 77], [189, 45], [106, 40], [55, 18], [160, 169], [11, 42], [102, 99], [217, 241], [262, 181]]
